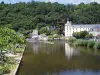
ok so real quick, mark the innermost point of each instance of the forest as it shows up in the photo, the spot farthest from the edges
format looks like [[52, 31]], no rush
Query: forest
[[24, 17]]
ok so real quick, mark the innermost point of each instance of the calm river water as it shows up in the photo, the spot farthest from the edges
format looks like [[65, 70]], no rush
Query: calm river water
[[59, 59]]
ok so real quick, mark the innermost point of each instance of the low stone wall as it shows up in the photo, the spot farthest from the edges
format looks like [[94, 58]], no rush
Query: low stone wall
[[18, 59]]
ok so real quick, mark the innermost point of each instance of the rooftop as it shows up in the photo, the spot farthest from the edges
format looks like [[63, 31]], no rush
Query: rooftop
[[86, 25]]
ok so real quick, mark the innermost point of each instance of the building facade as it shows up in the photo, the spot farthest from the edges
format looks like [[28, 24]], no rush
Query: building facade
[[91, 28]]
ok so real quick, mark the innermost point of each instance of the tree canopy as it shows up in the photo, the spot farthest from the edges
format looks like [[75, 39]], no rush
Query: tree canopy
[[9, 36], [24, 17], [82, 35], [44, 30]]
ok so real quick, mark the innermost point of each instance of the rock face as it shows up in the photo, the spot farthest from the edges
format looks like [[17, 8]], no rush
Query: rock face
[[35, 34], [43, 37]]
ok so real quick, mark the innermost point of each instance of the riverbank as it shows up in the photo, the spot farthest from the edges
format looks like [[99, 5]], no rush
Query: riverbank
[[18, 58], [82, 42]]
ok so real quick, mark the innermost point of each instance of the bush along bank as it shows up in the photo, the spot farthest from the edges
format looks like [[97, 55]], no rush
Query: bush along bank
[[11, 64], [11, 46], [82, 42]]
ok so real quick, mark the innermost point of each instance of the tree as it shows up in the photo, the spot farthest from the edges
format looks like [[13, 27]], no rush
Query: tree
[[2, 2], [44, 30], [89, 36], [9, 37], [54, 32], [32, 15], [82, 35]]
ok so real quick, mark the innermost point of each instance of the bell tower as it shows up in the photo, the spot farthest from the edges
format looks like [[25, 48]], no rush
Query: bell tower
[[68, 28]]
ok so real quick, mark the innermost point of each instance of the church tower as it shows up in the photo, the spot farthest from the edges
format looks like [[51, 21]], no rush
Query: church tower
[[68, 28]]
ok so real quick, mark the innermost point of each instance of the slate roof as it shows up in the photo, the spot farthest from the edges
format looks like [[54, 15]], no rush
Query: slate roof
[[86, 25]]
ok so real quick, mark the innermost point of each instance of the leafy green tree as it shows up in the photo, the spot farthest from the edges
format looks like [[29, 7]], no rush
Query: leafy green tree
[[2, 2], [32, 15], [9, 37], [54, 32], [89, 36], [82, 35], [44, 30]]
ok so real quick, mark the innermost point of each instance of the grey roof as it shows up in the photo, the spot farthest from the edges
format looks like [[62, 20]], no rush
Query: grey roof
[[86, 25]]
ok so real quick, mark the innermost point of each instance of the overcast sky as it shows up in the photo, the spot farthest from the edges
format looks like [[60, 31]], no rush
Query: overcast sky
[[59, 1]]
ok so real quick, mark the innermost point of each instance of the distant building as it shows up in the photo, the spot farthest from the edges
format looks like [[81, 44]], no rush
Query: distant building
[[91, 28]]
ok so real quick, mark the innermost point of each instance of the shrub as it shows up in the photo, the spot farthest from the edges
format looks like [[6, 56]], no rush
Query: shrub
[[72, 39], [91, 44], [97, 45], [85, 42], [5, 70], [44, 30], [78, 42], [89, 36], [11, 60], [57, 36], [54, 32], [50, 38], [19, 50], [82, 35]]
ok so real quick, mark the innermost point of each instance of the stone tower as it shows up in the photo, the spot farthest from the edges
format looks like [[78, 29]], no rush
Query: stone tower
[[67, 27]]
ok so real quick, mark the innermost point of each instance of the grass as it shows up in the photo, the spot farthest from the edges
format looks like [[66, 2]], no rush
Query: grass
[[19, 50], [86, 43], [10, 65]]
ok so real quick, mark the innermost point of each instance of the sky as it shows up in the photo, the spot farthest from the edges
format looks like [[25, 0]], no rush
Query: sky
[[52, 1]]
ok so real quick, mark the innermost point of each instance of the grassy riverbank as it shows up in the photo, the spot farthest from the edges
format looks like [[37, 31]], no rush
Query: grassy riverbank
[[13, 62], [86, 43], [18, 60]]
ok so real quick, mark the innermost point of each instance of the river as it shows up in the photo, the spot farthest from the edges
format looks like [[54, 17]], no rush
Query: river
[[42, 58]]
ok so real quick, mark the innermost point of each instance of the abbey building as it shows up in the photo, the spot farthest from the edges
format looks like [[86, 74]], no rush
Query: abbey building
[[91, 28]]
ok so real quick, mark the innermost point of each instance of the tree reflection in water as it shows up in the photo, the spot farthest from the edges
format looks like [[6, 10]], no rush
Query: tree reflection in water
[[59, 59]]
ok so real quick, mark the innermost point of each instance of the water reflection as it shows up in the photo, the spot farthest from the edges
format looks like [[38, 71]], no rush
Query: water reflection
[[59, 59], [35, 47], [69, 51]]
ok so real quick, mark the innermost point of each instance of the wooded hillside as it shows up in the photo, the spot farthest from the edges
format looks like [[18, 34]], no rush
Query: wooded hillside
[[25, 17]]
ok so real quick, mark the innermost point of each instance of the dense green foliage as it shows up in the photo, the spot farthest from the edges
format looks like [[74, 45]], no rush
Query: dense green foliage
[[82, 35], [97, 45], [8, 37], [44, 30], [50, 38], [78, 42], [86, 43], [24, 17], [9, 41], [91, 44], [72, 39], [54, 32]]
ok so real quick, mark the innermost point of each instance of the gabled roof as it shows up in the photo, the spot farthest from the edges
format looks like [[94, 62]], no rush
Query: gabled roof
[[86, 25]]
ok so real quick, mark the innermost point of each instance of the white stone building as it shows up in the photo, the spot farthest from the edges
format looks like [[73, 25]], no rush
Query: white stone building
[[91, 28]]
